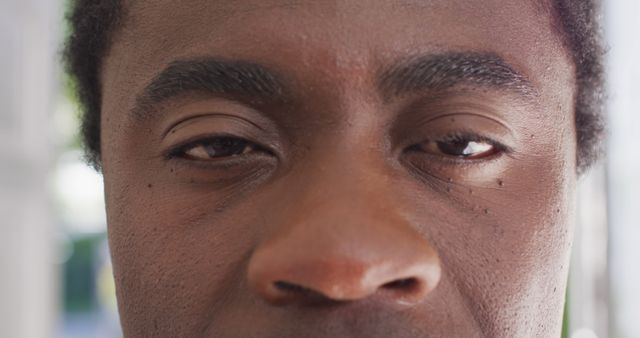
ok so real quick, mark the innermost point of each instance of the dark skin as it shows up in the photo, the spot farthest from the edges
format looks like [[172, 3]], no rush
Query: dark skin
[[306, 186]]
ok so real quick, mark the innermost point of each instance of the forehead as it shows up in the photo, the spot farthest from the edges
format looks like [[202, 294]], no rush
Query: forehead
[[340, 32], [330, 44]]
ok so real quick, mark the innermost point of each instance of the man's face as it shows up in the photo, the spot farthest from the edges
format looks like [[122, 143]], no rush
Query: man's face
[[339, 168]]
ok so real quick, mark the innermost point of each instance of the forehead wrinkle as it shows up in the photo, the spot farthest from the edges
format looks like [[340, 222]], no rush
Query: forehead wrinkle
[[223, 10], [290, 4]]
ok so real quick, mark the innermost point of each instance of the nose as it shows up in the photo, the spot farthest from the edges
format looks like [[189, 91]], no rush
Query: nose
[[348, 246]]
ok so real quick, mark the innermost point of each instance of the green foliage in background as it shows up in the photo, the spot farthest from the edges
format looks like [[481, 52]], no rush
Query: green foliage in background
[[79, 275], [565, 317], [69, 85]]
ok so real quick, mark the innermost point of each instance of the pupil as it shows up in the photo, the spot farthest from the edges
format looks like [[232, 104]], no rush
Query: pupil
[[225, 147], [454, 148]]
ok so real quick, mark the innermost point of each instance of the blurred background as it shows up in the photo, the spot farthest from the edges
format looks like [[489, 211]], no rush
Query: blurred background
[[55, 274]]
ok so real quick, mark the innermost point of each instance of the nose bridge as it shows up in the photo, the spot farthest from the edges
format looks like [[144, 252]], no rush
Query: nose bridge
[[339, 202], [343, 235]]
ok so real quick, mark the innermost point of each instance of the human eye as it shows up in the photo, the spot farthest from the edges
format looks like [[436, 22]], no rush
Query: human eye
[[216, 148], [460, 146]]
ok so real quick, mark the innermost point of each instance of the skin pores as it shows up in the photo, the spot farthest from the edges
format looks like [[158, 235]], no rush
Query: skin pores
[[284, 169]]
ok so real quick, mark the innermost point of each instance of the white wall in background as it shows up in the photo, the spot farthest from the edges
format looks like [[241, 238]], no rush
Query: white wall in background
[[588, 280], [623, 33], [28, 58]]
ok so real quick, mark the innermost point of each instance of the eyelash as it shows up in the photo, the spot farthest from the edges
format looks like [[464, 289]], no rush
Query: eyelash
[[463, 136], [179, 151]]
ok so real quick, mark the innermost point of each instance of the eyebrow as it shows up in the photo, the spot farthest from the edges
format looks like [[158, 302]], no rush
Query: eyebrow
[[251, 81], [229, 78], [444, 71]]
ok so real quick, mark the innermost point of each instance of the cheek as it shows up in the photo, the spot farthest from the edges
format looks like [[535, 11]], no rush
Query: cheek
[[172, 246], [507, 245]]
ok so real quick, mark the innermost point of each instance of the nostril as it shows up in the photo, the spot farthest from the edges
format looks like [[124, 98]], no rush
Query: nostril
[[404, 284], [290, 287], [290, 292]]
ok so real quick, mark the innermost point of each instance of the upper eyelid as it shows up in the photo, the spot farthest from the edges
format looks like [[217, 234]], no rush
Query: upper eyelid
[[482, 116], [221, 115], [458, 119]]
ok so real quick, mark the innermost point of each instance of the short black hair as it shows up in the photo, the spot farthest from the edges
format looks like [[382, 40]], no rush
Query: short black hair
[[94, 23]]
